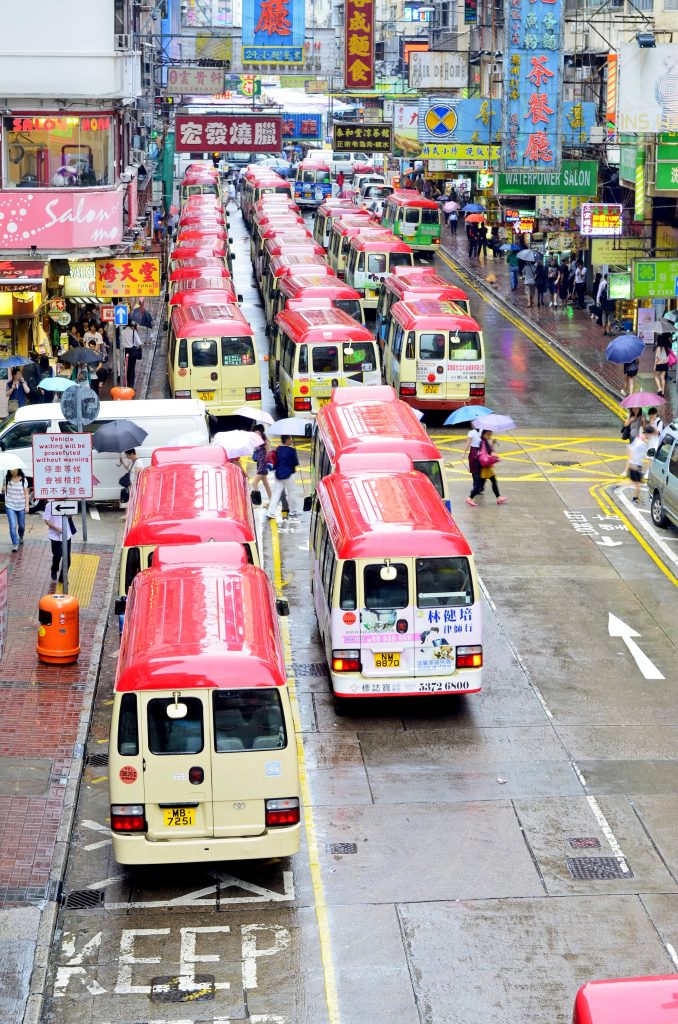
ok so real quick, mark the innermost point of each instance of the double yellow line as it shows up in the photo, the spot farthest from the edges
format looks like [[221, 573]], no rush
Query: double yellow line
[[330, 982]]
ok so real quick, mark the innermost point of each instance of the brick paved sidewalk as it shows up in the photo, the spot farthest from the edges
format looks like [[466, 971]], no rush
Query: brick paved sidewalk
[[571, 330]]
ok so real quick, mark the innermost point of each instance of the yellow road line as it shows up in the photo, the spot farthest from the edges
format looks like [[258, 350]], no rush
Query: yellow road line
[[544, 346], [614, 510], [330, 983]]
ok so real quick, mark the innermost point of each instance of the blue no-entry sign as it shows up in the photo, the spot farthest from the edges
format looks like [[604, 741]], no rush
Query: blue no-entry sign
[[121, 316]]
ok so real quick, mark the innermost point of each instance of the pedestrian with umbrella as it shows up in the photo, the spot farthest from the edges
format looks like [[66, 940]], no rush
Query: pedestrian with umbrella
[[451, 208], [562, 285], [122, 436], [530, 279], [626, 350], [80, 359], [486, 458], [637, 455]]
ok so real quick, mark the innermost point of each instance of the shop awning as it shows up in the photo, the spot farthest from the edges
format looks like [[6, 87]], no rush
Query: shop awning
[[15, 275]]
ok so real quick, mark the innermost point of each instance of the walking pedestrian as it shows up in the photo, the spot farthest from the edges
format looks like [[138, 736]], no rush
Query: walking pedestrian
[[655, 422], [552, 279], [132, 463], [94, 370], [482, 240], [17, 391], [231, 195], [601, 302], [15, 493], [633, 425], [579, 285], [472, 235], [471, 449], [133, 352], [563, 285], [260, 455], [514, 268], [630, 374], [637, 456], [286, 462], [530, 279], [55, 536], [541, 282], [661, 361], [487, 460], [495, 242], [454, 220], [340, 180]]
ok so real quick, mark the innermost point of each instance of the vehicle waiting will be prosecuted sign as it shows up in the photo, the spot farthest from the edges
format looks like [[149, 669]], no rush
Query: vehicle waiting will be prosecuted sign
[[62, 466]]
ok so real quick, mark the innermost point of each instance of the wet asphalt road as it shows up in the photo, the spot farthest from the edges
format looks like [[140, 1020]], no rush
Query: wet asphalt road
[[469, 860]]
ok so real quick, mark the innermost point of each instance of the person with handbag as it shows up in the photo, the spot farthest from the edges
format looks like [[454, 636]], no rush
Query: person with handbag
[[17, 390], [662, 355], [131, 346], [487, 460]]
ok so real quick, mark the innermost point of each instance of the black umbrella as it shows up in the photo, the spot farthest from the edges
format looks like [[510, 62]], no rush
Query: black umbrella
[[80, 357], [141, 317], [118, 436]]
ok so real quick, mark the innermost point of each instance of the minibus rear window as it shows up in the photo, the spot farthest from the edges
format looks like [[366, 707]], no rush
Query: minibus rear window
[[376, 263], [348, 600], [175, 735], [430, 217], [412, 216], [132, 566], [400, 259], [360, 356], [350, 306], [381, 593], [128, 726], [203, 353], [326, 359], [464, 345], [183, 354], [248, 720], [237, 352], [432, 346], [443, 582], [431, 469]]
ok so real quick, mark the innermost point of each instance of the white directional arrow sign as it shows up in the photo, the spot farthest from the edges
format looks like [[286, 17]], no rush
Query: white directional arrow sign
[[618, 628]]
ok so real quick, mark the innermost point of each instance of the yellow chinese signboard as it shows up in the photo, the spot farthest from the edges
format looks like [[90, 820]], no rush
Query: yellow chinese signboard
[[127, 278]]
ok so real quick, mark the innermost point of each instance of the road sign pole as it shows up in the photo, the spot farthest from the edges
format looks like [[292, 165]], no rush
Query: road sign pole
[[65, 539], [78, 427]]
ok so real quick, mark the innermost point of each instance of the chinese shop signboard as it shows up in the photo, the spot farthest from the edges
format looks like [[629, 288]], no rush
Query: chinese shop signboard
[[229, 133], [365, 138], [532, 95], [194, 81], [137, 278], [655, 279], [273, 32], [302, 128], [359, 44], [600, 220]]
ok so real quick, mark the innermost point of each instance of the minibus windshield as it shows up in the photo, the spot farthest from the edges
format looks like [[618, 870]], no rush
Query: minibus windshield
[[350, 306], [443, 582], [248, 720]]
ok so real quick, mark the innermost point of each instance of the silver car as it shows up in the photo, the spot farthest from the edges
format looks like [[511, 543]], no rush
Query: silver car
[[662, 480]]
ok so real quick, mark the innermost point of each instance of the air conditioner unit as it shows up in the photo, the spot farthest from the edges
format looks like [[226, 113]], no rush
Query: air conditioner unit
[[123, 42], [137, 156]]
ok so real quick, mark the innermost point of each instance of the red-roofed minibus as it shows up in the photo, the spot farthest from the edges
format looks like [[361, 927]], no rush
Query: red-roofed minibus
[[298, 264], [259, 183], [202, 752], [413, 218], [206, 267], [312, 182], [181, 503], [203, 455], [321, 349], [434, 357], [182, 291], [408, 283], [370, 259], [363, 423], [286, 243], [190, 252], [200, 183], [203, 261], [219, 552], [394, 585], [310, 288], [342, 230], [651, 1000], [268, 225], [323, 218], [211, 355]]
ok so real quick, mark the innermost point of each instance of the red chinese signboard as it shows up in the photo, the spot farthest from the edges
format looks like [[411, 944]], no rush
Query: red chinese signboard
[[229, 133], [359, 44]]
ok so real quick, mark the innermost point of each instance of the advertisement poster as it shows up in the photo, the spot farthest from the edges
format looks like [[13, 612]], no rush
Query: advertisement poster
[[647, 88], [273, 32]]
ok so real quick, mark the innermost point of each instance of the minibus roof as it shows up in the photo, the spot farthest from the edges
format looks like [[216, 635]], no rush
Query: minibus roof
[[627, 1001], [166, 556], [182, 504], [322, 325], [189, 234], [312, 163], [275, 216], [421, 280], [352, 212], [208, 320], [213, 270], [199, 263], [332, 203], [361, 396], [196, 455], [284, 265], [316, 287], [387, 515], [423, 314], [290, 244], [410, 197], [363, 462], [201, 177], [364, 242], [192, 628], [374, 427], [361, 227], [221, 294], [186, 251]]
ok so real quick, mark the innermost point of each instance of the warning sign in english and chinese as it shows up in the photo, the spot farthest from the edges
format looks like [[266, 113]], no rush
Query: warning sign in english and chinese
[[62, 466]]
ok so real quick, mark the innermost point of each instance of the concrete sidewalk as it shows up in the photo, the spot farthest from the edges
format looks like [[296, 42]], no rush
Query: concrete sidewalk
[[570, 330]]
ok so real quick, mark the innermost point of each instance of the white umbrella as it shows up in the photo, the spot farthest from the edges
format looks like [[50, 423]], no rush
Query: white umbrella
[[237, 443], [9, 461], [258, 415], [527, 256], [294, 426], [494, 421]]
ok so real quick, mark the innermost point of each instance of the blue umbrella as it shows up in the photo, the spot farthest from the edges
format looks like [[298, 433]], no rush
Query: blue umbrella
[[466, 414], [510, 248], [473, 208], [624, 349], [55, 383], [14, 361]]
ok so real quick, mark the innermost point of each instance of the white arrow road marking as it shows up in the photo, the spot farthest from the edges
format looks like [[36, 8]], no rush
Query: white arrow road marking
[[94, 826], [607, 542], [618, 628]]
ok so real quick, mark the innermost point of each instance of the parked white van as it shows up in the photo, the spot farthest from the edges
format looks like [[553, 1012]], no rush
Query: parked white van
[[168, 423]]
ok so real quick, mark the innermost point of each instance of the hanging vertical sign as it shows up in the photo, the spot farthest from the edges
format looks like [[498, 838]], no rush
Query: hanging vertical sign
[[273, 32], [611, 106], [639, 203], [359, 44], [470, 12], [532, 94]]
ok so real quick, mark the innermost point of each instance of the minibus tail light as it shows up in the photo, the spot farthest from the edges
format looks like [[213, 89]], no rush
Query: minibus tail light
[[128, 818], [477, 390], [252, 394], [302, 404], [282, 812], [469, 657], [408, 390], [346, 661]]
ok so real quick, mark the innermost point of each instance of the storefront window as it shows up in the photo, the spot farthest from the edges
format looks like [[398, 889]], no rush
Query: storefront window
[[54, 152]]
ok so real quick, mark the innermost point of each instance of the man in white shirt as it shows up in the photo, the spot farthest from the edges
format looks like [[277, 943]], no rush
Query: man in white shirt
[[637, 456], [131, 347]]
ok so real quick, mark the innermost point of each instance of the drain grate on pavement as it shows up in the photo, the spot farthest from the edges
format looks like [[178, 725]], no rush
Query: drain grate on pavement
[[100, 760], [309, 668], [341, 848], [564, 462], [597, 869], [584, 843], [83, 899]]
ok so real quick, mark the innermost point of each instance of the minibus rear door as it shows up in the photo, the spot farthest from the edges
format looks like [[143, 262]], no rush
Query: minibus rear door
[[386, 620]]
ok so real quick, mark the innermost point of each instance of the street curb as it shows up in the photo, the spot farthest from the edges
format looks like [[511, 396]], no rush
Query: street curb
[[549, 339]]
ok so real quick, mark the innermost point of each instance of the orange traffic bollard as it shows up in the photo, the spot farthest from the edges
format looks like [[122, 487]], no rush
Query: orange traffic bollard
[[122, 394], [58, 629]]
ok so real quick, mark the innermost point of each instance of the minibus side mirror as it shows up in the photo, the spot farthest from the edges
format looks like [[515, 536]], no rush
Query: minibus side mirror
[[120, 605], [282, 606], [240, 298], [256, 497], [308, 503]]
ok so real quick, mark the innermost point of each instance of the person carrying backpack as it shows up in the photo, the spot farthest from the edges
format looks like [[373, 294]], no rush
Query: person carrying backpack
[[285, 463]]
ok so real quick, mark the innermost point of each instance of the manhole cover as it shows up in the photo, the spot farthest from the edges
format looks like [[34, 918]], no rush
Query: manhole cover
[[100, 760], [341, 848], [175, 990], [596, 869], [585, 842], [564, 462], [83, 899], [309, 668]]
